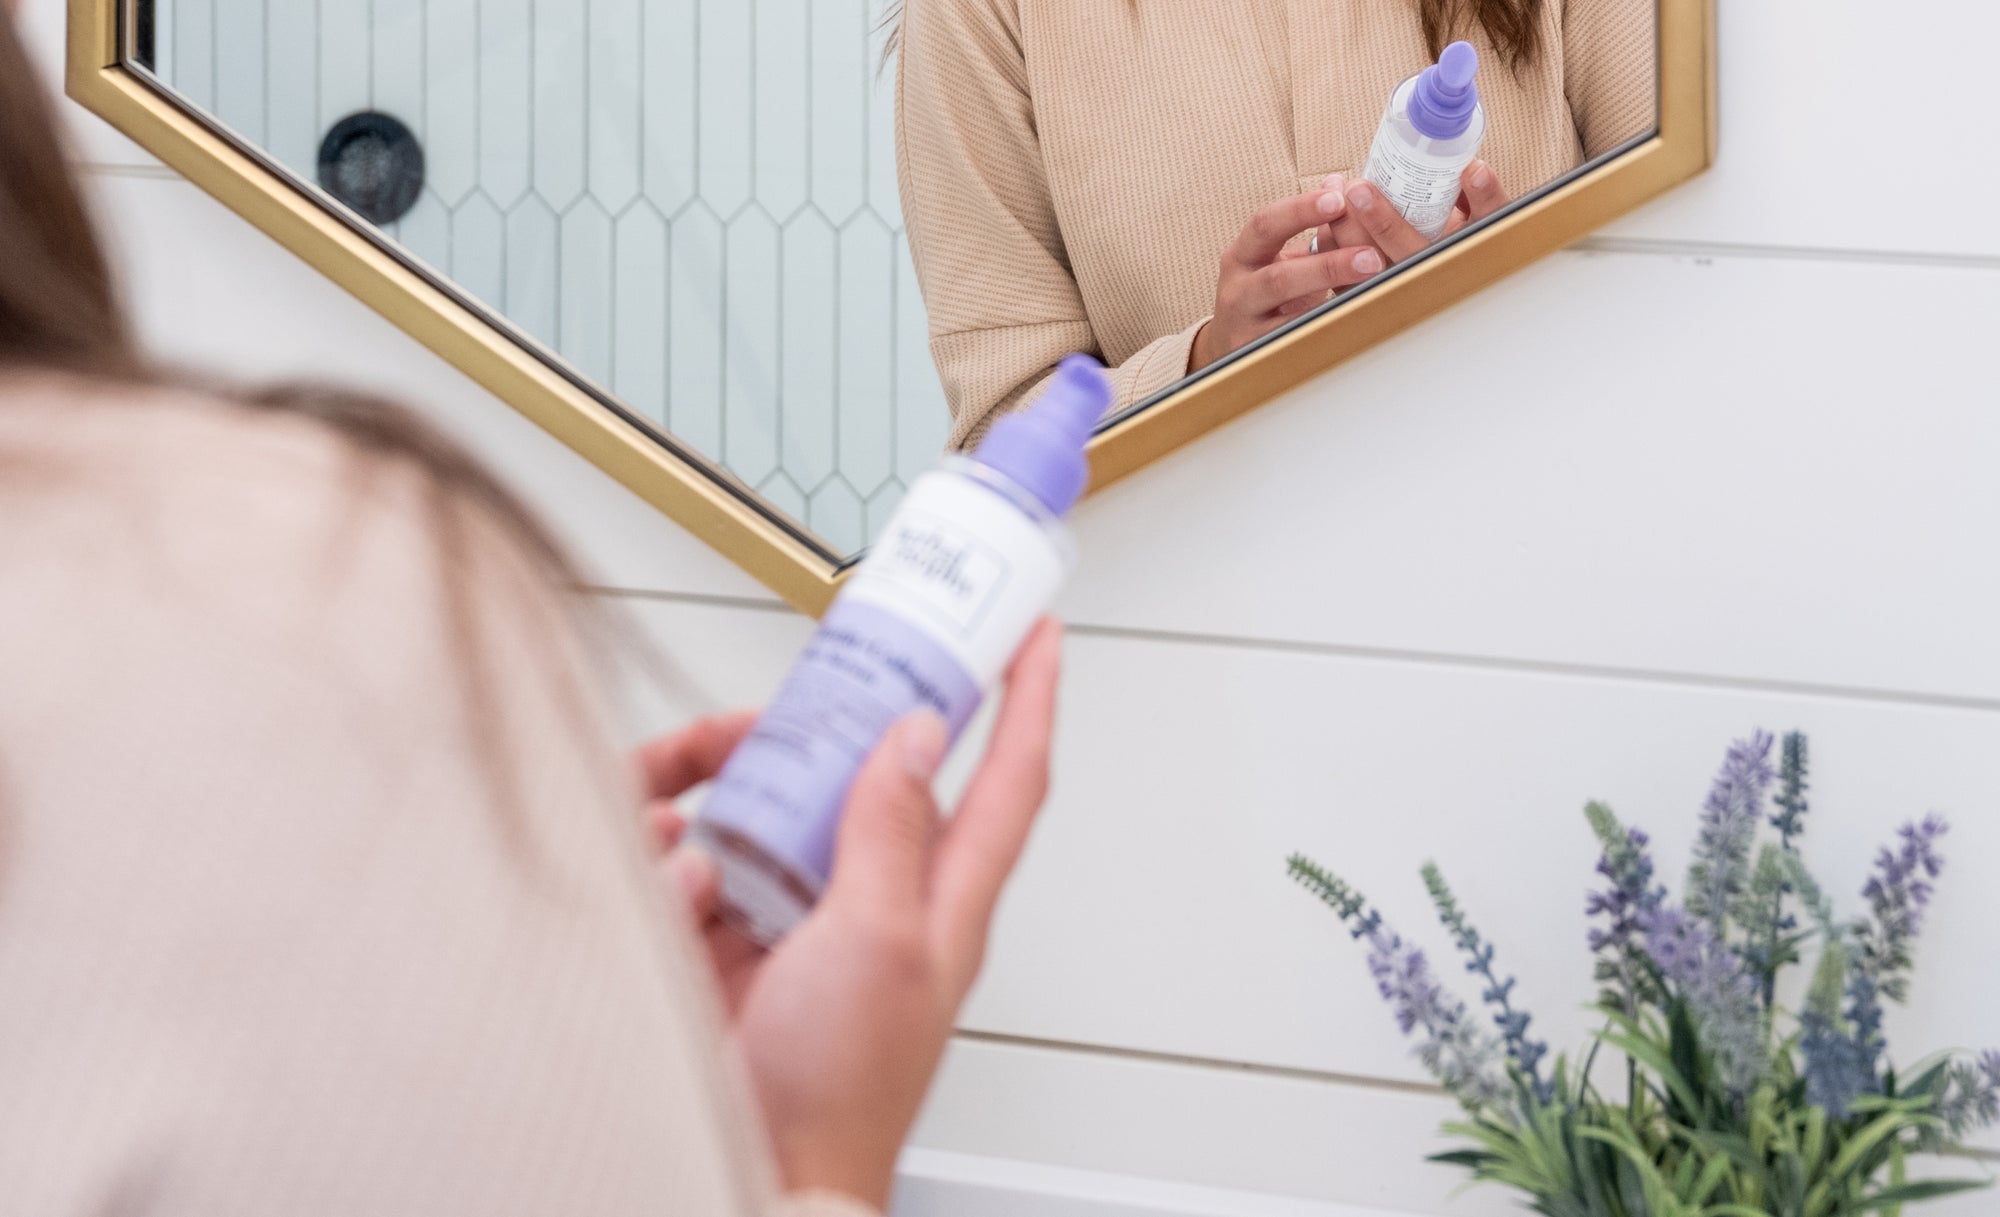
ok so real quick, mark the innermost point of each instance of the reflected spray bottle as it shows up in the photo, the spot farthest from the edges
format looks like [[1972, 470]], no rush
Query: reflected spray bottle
[[1429, 134], [970, 560]]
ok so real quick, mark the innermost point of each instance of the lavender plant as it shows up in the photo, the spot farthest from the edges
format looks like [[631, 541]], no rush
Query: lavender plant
[[1732, 1106]]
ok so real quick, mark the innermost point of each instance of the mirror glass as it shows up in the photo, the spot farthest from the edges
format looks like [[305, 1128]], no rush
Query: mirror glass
[[693, 207]]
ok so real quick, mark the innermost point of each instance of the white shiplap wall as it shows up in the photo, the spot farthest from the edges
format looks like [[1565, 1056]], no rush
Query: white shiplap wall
[[1731, 463]]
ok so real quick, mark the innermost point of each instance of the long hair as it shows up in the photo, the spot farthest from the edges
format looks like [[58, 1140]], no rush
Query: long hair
[[58, 306], [60, 312], [1513, 26]]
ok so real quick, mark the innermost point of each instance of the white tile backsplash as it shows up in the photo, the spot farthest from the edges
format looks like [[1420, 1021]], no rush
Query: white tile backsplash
[[693, 202]]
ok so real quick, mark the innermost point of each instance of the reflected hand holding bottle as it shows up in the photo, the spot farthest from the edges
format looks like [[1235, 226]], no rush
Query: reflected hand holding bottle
[[1262, 284], [1369, 221]]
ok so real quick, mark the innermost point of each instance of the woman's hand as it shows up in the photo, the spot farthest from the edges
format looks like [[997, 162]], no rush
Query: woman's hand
[[1261, 286], [844, 1023], [669, 767], [1369, 220]]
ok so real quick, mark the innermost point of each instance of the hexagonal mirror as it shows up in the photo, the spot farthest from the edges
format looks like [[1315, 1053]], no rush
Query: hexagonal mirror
[[766, 260]]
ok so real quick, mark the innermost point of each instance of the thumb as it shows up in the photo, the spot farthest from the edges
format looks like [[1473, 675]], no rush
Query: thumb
[[884, 851]]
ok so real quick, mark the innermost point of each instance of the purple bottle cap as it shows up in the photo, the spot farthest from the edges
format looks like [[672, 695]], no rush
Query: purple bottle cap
[[1441, 105], [1040, 449]]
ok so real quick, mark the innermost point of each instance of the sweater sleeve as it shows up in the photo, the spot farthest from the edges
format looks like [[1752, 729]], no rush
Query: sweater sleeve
[[326, 890], [997, 283], [1611, 70]]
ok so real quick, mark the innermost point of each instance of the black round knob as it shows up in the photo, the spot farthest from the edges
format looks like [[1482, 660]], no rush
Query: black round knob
[[372, 163]]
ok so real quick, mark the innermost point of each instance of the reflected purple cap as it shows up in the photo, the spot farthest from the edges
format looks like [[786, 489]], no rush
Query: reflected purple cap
[[1441, 105], [1040, 449]]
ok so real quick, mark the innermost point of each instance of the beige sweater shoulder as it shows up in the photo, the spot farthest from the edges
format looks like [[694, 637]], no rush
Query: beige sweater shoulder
[[293, 918], [1071, 170]]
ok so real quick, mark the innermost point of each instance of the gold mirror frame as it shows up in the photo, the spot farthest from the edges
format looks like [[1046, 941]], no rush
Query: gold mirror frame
[[682, 486]]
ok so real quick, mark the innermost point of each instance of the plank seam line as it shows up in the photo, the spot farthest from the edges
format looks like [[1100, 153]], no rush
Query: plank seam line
[[154, 173], [1437, 659], [1325, 1077], [1669, 247], [1292, 1073], [1644, 246]]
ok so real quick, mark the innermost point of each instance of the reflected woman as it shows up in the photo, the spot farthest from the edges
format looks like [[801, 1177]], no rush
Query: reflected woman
[[1128, 176]]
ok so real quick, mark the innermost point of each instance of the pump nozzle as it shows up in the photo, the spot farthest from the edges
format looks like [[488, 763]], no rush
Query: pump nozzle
[[1441, 105], [1040, 448]]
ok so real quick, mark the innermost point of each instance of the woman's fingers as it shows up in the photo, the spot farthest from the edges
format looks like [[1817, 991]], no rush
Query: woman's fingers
[[1264, 237], [1310, 278], [1348, 233], [1483, 193], [1480, 195], [692, 874], [674, 764], [1343, 231], [1387, 230], [667, 823], [991, 826], [883, 855]]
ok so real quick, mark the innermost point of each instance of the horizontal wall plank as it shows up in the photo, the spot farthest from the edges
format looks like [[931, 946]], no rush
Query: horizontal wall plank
[[1143, 1139], [1749, 468], [1834, 121], [939, 1183], [211, 292], [1152, 913], [1198, 1127], [1618, 527]]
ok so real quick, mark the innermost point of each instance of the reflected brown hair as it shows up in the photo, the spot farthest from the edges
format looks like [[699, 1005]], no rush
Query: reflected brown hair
[[1512, 26]]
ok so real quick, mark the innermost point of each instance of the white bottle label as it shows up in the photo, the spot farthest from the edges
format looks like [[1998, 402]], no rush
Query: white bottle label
[[1424, 189], [927, 622], [969, 568]]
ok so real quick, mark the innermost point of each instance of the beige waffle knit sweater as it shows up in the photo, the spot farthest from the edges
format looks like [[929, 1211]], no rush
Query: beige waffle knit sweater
[[273, 943], [1072, 170]]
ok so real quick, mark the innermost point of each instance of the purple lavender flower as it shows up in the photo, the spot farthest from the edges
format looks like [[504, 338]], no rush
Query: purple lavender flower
[[1837, 1071], [1624, 906], [1864, 1017], [1513, 1024], [1792, 786], [1769, 938], [1836, 1066], [1771, 943], [1729, 819], [1464, 1059], [1898, 893], [1971, 1099], [1719, 993]]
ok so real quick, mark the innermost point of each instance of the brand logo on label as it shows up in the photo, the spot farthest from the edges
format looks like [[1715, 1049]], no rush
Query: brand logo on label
[[949, 573], [936, 556]]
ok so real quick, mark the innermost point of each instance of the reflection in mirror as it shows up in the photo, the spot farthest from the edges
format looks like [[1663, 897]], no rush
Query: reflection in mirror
[[697, 205], [1150, 179], [692, 202]]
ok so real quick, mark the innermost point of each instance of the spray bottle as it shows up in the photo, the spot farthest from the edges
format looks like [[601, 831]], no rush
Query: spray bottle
[[1429, 134], [969, 562]]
